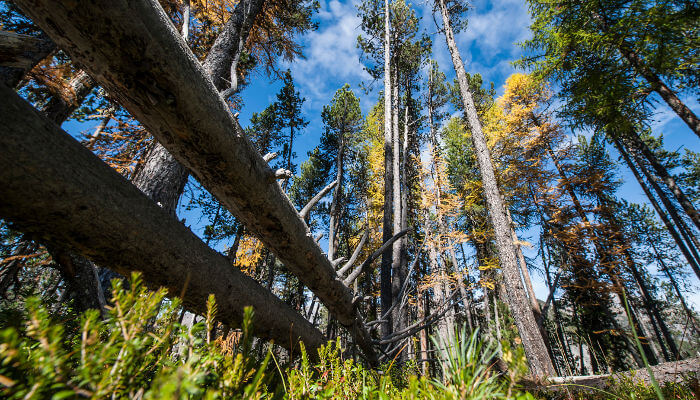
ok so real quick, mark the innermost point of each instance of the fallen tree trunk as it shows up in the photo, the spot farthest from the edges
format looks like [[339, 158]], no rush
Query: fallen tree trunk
[[56, 190], [674, 371], [133, 50]]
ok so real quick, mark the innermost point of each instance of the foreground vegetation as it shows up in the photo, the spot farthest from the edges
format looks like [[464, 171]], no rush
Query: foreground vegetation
[[140, 350]]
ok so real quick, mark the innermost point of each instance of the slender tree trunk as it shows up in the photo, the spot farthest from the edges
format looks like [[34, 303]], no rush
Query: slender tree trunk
[[441, 294], [423, 335], [658, 85], [186, 20], [638, 144], [336, 203], [233, 250], [688, 312], [647, 298], [99, 129], [386, 264], [691, 258], [535, 349], [60, 107], [690, 237], [397, 275], [659, 338], [653, 309], [537, 311]]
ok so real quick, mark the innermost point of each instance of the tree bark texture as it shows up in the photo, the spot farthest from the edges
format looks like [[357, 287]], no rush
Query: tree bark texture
[[159, 81], [83, 204], [162, 178], [20, 53], [334, 222], [385, 268], [61, 106], [397, 273], [535, 349]]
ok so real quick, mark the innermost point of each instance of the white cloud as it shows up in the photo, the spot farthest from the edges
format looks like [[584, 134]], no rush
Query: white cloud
[[332, 57], [488, 44]]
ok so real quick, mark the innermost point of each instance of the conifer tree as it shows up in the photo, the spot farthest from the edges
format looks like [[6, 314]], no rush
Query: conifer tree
[[538, 357]]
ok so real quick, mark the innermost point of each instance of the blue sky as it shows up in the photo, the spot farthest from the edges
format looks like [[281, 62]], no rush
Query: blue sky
[[488, 46]]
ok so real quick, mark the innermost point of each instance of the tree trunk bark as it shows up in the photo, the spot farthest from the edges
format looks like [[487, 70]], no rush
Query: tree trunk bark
[[60, 107], [397, 274], [336, 203], [161, 178], [535, 349], [653, 309], [80, 274], [690, 237], [186, 8], [387, 229], [164, 87], [83, 204], [536, 310], [442, 293], [666, 372]]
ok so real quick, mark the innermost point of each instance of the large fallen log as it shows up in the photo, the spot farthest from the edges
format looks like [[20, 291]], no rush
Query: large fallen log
[[675, 371], [57, 191], [132, 49]]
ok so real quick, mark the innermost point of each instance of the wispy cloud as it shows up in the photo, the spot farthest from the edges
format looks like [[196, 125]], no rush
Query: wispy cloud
[[488, 44], [332, 57]]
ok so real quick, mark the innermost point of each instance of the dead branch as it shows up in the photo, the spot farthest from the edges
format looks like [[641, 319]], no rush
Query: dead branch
[[305, 211], [355, 254], [674, 371], [356, 273]]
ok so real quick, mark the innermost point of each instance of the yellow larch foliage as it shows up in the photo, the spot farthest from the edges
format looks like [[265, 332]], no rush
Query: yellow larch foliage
[[249, 253]]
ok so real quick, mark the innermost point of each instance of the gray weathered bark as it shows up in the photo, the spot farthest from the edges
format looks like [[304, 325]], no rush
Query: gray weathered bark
[[159, 81], [385, 268], [80, 274], [20, 53], [336, 206], [83, 204], [675, 371], [535, 349], [162, 178], [186, 8]]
